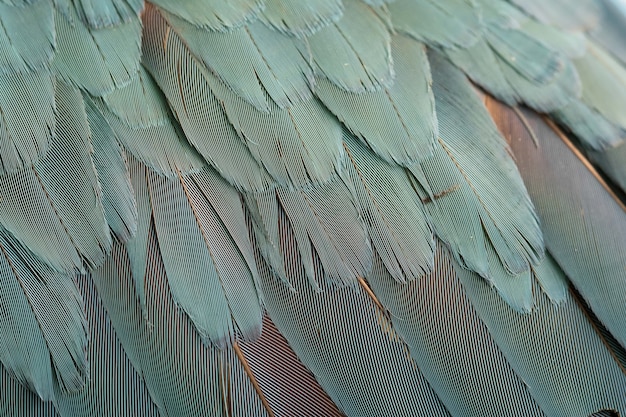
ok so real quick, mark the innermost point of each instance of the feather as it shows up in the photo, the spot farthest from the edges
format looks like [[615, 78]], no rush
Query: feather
[[250, 60], [26, 37], [446, 24], [301, 18], [94, 59], [587, 13], [354, 59], [145, 126], [43, 332], [393, 213], [24, 138], [114, 387], [118, 200], [196, 108], [348, 344], [576, 212], [469, 210], [165, 339], [98, 13], [399, 122], [449, 343], [213, 14], [17, 400]]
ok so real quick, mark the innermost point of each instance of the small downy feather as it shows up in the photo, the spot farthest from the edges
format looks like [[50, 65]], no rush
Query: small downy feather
[[43, 332], [355, 52]]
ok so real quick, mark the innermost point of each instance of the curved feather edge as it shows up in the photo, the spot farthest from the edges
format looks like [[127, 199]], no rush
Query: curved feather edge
[[43, 327], [577, 213], [449, 343], [465, 201], [301, 19], [168, 351], [345, 340], [214, 14], [17, 400]]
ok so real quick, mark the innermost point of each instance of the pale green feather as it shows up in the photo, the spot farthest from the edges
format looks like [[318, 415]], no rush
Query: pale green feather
[[216, 15], [301, 18], [398, 123]]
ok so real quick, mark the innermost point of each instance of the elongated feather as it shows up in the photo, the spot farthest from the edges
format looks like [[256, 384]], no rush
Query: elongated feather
[[199, 112], [68, 176], [393, 213], [283, 378], [348, 344], [355, 59], [118, 200], [164, 339], [301, 18], [399, 122], [469, 210], [25, 137], [43, 328], [251, 60], [450, 344], [17, 400], [98, 13], [587, 13], [114, 387], [327, 226], [577, 213]]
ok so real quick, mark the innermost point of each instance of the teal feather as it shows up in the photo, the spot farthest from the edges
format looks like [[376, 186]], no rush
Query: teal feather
[[98, 13], [200, 114], [445, 24], [393, 213], [93, 59], [354, 59], [301, 19], [467, 207], [43, 332], [345, 340], [327, 226], [68, 176], [215, 15], [576, 213], [17, 400], [147, 128], [250, 60], [118, 200], [114, 387], [191, 272], [26, 37], [399, 122], [450, 344], [163, 338], [25, 137], [587, 13]]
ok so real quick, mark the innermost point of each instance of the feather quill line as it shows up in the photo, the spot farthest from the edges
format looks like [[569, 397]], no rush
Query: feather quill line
[[585, 162], [253, 380]]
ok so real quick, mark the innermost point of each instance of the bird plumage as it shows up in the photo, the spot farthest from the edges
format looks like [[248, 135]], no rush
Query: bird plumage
[[277, 208]]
